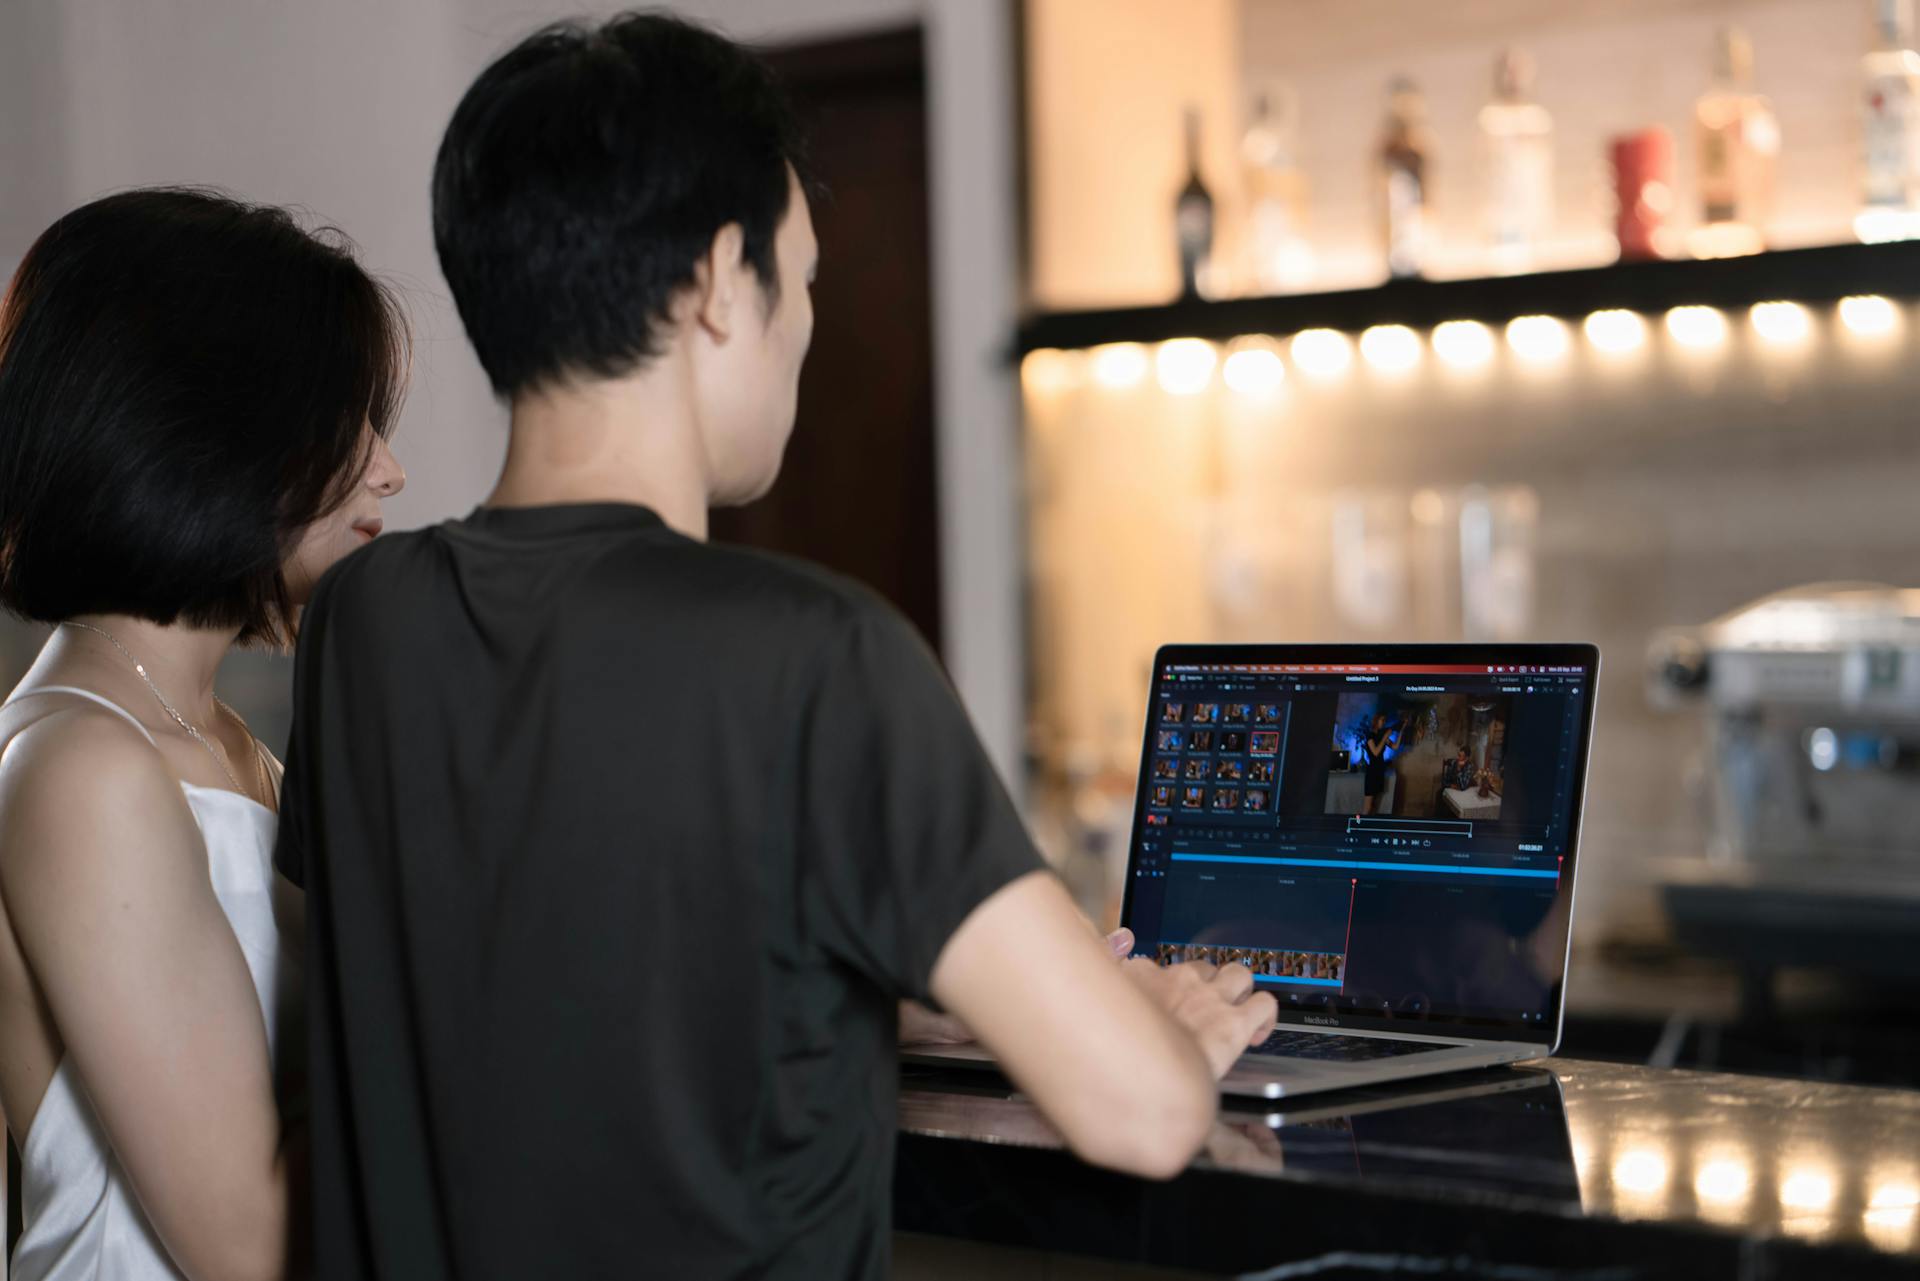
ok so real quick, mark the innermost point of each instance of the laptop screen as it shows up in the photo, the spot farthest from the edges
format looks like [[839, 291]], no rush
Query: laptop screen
[[1385, 836]]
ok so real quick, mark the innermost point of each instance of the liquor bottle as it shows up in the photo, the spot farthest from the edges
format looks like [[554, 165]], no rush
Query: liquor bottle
[[1517, 142], [1404, 151], [1738, 139], [1193, 221], [1890, 209], [1279, 256]]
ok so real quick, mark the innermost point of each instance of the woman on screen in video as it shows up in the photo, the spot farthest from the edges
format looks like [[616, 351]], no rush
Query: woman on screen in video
[[1380, 743], [195, 395]]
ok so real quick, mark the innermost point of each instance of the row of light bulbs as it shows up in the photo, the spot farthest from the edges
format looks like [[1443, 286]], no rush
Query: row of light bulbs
[[1254, 366]]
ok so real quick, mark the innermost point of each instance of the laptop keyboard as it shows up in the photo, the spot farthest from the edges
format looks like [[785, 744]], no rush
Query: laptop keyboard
[[1285, 1043]]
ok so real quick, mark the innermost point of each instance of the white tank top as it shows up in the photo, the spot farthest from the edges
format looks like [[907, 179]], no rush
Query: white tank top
[[80, 1217]]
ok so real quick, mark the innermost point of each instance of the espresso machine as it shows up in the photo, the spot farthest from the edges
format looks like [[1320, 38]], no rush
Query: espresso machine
[[1812, 698]]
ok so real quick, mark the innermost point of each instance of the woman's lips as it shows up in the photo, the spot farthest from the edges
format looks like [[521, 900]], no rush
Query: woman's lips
[[368, 529]]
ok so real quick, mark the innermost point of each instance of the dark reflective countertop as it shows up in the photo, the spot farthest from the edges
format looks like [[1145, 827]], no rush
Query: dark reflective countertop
[[1607, 1170]]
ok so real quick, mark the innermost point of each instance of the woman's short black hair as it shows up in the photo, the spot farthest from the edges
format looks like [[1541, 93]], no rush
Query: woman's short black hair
[[186, 383], [583, 176]]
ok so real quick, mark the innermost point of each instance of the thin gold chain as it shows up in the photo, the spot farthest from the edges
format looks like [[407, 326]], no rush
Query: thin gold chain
[[192, 731]]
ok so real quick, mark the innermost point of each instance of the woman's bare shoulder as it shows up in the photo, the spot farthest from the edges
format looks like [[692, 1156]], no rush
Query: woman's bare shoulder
[[80, 783]]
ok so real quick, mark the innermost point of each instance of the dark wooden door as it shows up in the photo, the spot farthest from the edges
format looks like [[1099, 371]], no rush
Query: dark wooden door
[[857, 492]]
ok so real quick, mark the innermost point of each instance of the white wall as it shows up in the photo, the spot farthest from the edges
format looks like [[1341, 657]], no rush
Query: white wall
[[338, 105]]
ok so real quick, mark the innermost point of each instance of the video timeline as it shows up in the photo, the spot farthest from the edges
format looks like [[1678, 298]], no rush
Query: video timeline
[[1269, 965]]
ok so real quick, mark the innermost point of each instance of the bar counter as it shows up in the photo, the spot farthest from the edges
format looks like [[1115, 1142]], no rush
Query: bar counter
[[1553, 1169]]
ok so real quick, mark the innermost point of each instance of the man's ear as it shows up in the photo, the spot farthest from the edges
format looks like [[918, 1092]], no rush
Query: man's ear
[[716, 282]]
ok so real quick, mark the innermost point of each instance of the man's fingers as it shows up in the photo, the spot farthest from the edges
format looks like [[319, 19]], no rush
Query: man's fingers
[[1233, 982], [1261, 1012], [1121, 941]]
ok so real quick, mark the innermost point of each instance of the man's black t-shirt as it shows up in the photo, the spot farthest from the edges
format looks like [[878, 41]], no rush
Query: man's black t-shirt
[[618, 850]]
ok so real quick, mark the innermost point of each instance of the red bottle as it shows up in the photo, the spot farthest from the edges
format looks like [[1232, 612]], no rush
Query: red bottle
[[1643, 184]]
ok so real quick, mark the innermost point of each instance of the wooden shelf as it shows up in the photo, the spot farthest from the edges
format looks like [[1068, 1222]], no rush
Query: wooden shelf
[[1797, 275]]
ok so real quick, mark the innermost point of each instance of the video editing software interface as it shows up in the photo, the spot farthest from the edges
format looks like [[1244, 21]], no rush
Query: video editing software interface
[[1374, 841]]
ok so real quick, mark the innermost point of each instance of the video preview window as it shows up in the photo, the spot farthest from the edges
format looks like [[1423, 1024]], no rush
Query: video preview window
[[1409, 755]]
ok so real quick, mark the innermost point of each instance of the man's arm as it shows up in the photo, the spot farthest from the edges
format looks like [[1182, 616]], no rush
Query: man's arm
[[919, 875], [922, 1026], [1121, 1058]]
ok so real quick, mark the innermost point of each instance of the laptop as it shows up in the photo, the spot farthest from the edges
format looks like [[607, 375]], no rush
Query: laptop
[[1385, 835]]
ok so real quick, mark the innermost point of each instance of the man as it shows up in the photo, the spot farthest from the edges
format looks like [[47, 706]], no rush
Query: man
[[516, 1070], [1458, 773]]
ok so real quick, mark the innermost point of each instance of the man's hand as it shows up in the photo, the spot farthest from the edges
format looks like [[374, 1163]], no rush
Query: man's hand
[[1217, 1007], [922, 1026], [1126, 1085]]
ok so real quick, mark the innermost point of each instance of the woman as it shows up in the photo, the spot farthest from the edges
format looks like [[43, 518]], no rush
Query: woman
[[194, 399], [1381, 743]]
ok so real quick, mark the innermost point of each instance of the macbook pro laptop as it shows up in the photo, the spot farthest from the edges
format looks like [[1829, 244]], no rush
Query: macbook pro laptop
[[1385, 835]]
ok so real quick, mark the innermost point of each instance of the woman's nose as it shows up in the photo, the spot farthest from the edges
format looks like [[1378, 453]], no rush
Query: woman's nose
[[385, 477]]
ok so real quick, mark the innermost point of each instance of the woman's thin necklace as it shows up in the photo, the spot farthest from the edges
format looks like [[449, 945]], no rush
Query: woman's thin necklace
[[180, 720]]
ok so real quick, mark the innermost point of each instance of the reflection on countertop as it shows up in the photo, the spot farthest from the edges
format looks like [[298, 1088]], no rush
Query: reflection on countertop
[[1804, 1168], [1765, 1157]]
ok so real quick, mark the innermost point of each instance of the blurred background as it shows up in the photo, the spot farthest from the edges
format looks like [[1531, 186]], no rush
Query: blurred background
[[1271, 320]]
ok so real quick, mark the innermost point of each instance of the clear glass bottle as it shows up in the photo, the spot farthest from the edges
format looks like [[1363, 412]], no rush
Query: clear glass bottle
[[1890, 105], [1193, 220], [1737, 139], [1279, 255], [1405, 151], [1516, 136]]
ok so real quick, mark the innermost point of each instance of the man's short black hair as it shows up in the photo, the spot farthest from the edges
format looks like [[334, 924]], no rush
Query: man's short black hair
[[186, 383], [584, 175]]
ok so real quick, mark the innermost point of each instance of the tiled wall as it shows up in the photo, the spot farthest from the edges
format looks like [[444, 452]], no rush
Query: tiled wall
[[1666, 486]]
